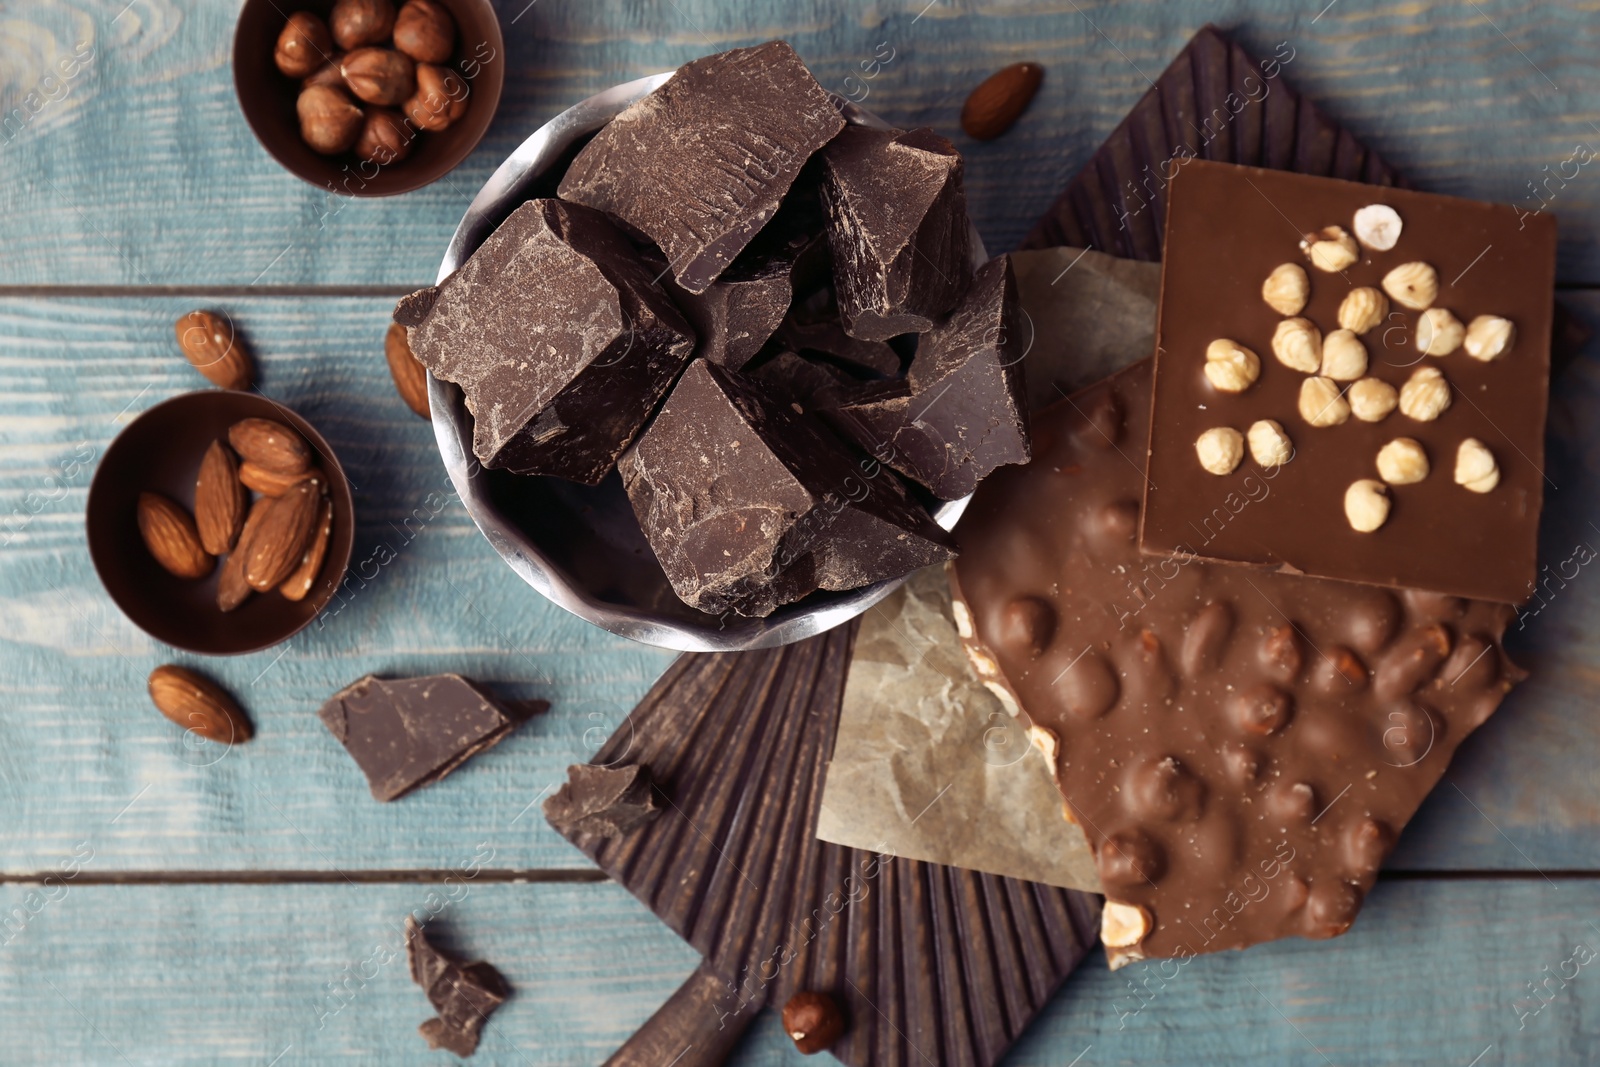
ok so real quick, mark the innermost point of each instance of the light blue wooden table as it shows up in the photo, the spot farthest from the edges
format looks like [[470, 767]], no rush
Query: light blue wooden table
[[244, 909]]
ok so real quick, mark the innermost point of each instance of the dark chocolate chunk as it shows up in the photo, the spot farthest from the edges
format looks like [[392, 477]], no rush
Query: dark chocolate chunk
[[826, 338], [897, 225], [701, 164], [806, 384], [1443, 532], [961, 412], [731, 487], [410, 732], [464, 995], [558, 336], [1241, 748], [605, 801]]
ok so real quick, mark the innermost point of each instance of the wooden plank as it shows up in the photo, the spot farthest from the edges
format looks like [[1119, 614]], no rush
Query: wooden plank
[[1432, 973], [141, 170]]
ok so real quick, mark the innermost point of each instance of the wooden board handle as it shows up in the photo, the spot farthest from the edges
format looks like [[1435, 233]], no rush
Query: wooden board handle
[[694, 1028]]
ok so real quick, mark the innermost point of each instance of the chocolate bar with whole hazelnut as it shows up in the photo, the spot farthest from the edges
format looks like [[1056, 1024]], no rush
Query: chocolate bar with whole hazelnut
[[1240, 748], [1377, 360]]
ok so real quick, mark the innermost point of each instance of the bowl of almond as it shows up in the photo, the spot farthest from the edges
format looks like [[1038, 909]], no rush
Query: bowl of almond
[[220, 522]]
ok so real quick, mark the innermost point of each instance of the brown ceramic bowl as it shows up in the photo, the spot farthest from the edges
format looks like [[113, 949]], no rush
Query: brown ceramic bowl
[[267, 99], [160, 451]]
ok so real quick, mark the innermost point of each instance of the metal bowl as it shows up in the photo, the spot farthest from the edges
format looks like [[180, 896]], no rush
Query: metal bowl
[[579, 545]]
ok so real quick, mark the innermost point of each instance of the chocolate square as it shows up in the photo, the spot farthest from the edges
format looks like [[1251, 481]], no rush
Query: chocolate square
[[1228, 229]]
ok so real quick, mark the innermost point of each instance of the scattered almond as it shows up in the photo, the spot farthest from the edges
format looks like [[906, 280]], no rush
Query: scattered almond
[[298, 584], [220, 501], [199, 705], [999, 100], [209, 343], [269, 444], [170, 535], [410, 377], [279, 543]]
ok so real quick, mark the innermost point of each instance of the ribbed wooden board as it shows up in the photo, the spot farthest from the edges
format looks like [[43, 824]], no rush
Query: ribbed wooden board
[[932, 964]]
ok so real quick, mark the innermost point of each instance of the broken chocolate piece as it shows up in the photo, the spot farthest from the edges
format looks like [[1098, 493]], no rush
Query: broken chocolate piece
[[961, 411], [827, 339], [701, 164], [464, 995], [558, 336], [897, 225], [732, 488], [604, 801], [1241, 748], [811, 385], [410, 732]]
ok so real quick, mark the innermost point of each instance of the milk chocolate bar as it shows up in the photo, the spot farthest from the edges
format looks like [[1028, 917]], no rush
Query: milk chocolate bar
[[700, 165], [897, 225], [1241, 748], [559, 337], [1384, 354]]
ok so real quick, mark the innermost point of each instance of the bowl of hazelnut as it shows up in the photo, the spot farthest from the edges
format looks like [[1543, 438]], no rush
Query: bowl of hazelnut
[[368, 97]]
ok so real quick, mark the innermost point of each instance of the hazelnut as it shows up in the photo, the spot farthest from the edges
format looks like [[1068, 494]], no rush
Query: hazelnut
[[1425, 396], [1344, 357], [1412, 285], [1269, 445], [425, 31], [303, 46], [1330, 249], [1220, 449], [1231, 367], [1123, 925], [385, 137], [440, 100], [380, 75], [1488, 337], [1363, 309], [1439, 333], [1321, 404], [813, 1021], [1377, 226], [357, 23], [1366, 505], [1286, 289], [1371, 399], [329, 121], [1475, 466], [1298, 345], [1402, 462], [327, 74]]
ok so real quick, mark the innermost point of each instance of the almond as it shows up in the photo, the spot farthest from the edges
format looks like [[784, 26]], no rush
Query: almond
[[271, 483], [232, 589], [220, 502], [278, 544], [1000, 100], [198, 704], [298, 584], [410, 376], [269, 444], [209, 343], [169, 534]]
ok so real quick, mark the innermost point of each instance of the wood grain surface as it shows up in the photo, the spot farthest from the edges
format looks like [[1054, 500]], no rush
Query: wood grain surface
[[133, 191]]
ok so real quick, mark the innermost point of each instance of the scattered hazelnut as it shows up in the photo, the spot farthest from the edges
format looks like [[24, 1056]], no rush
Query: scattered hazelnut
[[425, 31], [1231, 367], [385, 138], [1371, 399], [1488, 337], [1344, 357], [813, 1021], [329, 121], [1412, 285], [357, 23], [1269, 445], [1330, 249], [327, 74], [1377, 226], [440, 100], [380, 75], [1402, 462], [1425, 395], [1439, 333], [1475, 466], [303, 46], [1298, 345], [1122, 925], [1321, 404], [1362, 309], [1286, 289], [1220, 449], [1366, 505]]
